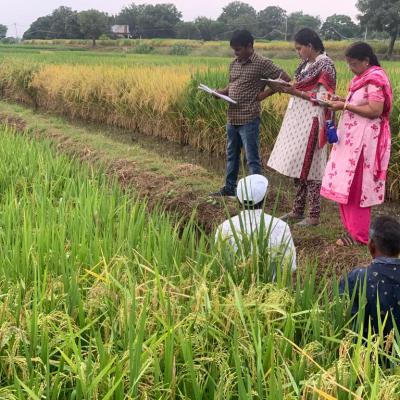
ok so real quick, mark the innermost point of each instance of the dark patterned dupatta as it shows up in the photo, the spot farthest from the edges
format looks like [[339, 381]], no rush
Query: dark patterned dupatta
[[321, 72]]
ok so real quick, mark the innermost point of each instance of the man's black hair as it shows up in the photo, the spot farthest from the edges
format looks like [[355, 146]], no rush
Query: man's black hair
[[385, 233], [242, 38]]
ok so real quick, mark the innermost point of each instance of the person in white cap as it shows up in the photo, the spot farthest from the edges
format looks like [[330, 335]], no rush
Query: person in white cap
[[251, 192]]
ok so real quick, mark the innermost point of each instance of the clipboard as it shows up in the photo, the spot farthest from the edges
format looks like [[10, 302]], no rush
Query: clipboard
[[208, 90]]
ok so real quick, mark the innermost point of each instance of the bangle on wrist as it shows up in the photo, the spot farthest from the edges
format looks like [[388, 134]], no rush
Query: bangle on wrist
[[345, 105]]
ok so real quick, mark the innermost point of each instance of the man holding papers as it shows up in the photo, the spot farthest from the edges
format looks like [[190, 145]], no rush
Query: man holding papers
[[247, 80]]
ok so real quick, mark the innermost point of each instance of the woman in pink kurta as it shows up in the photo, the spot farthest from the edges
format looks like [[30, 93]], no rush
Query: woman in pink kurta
[[356, 171]]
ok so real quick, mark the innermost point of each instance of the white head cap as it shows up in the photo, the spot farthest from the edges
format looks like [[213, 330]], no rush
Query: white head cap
[[252, 189]]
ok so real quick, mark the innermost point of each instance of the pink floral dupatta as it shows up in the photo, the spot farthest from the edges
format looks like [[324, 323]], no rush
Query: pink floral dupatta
[[377, 76]]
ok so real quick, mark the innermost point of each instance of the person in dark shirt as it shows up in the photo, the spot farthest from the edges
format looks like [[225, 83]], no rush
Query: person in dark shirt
[[381, 279], [246, 87]]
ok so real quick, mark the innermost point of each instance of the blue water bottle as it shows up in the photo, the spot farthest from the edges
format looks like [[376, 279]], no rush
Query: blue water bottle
[[331, 133]]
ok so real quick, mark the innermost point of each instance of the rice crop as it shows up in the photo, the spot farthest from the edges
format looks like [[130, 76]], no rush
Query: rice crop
[[102, 299], [156, 95]]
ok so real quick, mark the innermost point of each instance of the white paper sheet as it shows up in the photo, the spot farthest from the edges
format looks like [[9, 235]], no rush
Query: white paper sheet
[[215, 93]]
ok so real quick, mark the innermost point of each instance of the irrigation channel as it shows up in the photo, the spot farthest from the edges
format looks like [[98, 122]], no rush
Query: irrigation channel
[[185, 153], [212, 162]]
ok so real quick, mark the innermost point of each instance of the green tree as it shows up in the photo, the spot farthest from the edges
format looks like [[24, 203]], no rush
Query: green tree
[[338, 27], [151, 21], [271, 23], [3, 31], [187, 30], [209, 29], [159, 20], [298, 20], [40, 29], [129, 16], [238, 15], [383, 16], [93, 23], [62, 23]]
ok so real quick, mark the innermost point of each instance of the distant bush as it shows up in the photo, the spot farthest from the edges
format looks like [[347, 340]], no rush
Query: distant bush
[[107, 42], [180, 50], [105, 37], [9, 40], [143, 48]]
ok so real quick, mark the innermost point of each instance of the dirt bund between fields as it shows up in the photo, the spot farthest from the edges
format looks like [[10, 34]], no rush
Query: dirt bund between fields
[[157, 189]]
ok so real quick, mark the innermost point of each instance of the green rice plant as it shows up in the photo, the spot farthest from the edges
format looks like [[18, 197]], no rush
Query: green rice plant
[[103, 299], [143, 49]]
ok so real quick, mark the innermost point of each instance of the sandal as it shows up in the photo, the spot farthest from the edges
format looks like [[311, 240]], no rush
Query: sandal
[[291, 216], [306, 222], [346, 241]]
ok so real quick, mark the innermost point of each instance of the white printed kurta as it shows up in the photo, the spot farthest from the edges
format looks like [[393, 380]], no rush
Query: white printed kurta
[[289, 151]]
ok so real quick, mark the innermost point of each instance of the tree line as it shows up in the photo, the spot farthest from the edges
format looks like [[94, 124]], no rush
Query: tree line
[[380, 17]]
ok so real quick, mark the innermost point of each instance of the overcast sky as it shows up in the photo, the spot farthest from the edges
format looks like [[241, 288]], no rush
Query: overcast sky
[[24, 12]]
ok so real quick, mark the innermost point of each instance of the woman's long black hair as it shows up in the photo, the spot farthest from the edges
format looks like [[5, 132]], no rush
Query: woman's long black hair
[[307, 36], [362, 51]]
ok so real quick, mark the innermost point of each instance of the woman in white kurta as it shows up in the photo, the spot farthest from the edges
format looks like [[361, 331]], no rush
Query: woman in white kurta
[[299, 151]]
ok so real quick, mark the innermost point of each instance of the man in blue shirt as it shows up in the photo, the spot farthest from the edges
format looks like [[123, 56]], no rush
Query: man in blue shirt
[[382, 277]]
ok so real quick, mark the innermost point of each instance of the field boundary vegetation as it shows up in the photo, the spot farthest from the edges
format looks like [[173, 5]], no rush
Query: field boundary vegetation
[[275, 48]]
